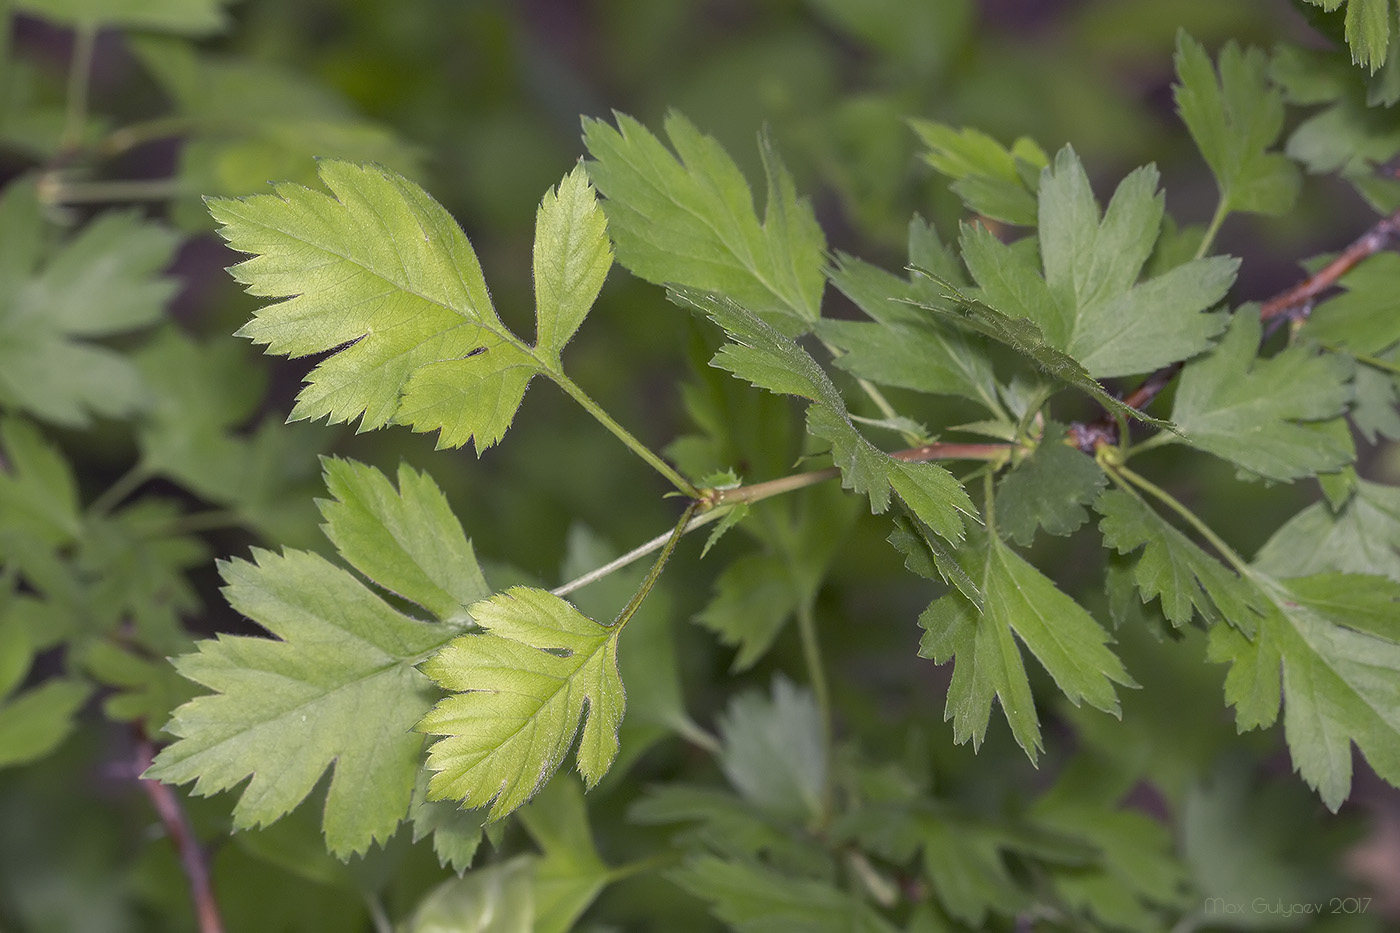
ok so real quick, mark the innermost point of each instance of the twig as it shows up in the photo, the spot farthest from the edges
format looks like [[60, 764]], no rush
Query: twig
[[177, 827], [1295, 301]]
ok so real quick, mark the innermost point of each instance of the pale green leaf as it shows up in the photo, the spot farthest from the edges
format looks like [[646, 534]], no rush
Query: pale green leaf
[[1255, 412], [772, 751], [517, 694], [688, 219], [571, 259], [406, 540], [496, 899], [334, 686], [1362, 319], [754, 599], [34, 722], [570, 874], [38, 492], [1363, 536], [383, 271], [1234, 121]]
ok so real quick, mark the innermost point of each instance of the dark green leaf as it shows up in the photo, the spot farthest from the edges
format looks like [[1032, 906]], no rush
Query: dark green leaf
[[1048, 489]]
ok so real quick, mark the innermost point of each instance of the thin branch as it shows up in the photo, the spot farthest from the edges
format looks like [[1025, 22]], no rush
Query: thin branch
[[1294, 302], [177, 827]]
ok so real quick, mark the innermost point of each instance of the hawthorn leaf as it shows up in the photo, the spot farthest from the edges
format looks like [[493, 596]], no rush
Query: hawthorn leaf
[[103, 281], [688, 219], [1363, 536], [1065, 639], [335, 686], [1234, 120], [1090, 304], [570, 873], [145, 690], [754, 599], [1026, 338], [1048, 490], [902, 346], [36, 721], [990, 179], [572, 257], [336, 683], [925, 555], [1173, 569], [497, 898], [772, 751], [753, 898], [1361, 319], [765, 357], [1256, 412], [406, 540], [456, 833], [38, 491], [518, 691], [1331, 648]]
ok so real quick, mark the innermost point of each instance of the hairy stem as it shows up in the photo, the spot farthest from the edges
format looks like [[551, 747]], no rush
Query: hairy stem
[[177, 827], [637, 447], [667, 550], [79, 77], [1207, 238]]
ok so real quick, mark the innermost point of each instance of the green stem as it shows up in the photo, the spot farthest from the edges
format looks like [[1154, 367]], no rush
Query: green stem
[[637, 447], [821, 691], [1207, 238], [1167, 499], [1369, 360], [635, 602], [79, 77], [128, 137], [687, 729], [1160, 439], [124, 486], [637, 553]]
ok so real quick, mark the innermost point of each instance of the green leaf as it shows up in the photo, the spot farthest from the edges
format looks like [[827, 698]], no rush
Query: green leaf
[[1254, 412], [34, 722], [1090, 304], [1333, 647], [572, 258], [752, 898], [1368, 24], [1360, 320], [773, 752], [925, 555], [146, 689], [379, 266], [518, 693], [990, 179], [770, 360], [754, 599], [407, 540], [185, 17], [1069, 644], [456, 833], [688, 219], [38, 492], [1363, 536], [1026, 338], [1173, 569], [1234, 122], [570, 874], [475, 397], [103, 281], [496, 899], [903, 346], [335, 684], [1048, 490]]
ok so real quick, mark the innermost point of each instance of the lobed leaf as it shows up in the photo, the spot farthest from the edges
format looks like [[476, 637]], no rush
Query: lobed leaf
[[688, 219], [1048, 490], [1257, 412], [990, 179], [335, 686], [1234, 120], [518, 693]]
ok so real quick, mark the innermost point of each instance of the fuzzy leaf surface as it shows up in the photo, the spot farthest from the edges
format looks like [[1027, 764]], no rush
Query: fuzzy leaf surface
[[518, 693], [1254, 412], [335, 685], [689, 219], [1234, 120]]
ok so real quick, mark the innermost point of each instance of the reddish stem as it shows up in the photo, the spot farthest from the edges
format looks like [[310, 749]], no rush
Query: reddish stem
[[177, 827]]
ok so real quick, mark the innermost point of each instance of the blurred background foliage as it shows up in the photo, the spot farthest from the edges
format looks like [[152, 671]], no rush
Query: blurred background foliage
[[479, 100]]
